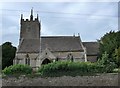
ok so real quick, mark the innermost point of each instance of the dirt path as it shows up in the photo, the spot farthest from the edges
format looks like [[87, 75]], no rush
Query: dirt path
[[99, 80]]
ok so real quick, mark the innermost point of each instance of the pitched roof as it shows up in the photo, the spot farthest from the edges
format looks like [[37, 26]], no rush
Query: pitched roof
[[62, 43], [53, 43], [29, 46], [92, 48]]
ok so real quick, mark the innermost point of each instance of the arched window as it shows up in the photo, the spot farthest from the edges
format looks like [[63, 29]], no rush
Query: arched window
[[70, 57], [27, 60], [57, 58]]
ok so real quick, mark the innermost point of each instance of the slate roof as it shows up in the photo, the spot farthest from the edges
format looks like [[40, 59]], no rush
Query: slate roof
[[56, 44], [53, 43], [62, 43], [29, 46], [92, 48]]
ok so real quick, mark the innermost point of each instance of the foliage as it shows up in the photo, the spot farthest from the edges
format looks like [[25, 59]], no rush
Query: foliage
[[8, 54], [117, 56], [0, 59], [106, 63], [104, 59], [17, 69], [109, 43], [60, 68], [116, 70]]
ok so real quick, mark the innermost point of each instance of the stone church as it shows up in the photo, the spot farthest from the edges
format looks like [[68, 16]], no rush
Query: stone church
[[35, 50]]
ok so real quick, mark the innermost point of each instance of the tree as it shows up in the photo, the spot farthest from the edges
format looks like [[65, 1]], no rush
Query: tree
[[8, 54], [104, 59], [106, 63], [109, 43], [117, 56]]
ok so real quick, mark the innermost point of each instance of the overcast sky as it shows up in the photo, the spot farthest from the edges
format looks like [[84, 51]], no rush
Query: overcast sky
[[90, 19]]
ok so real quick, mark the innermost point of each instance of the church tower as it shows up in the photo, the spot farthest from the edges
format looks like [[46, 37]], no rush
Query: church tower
[[30, 29]]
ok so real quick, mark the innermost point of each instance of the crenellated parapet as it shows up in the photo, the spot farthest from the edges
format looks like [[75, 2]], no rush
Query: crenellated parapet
[[31, 18]]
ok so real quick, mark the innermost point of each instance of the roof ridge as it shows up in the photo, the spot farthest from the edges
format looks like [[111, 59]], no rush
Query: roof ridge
[[58, 36], [90, 42]]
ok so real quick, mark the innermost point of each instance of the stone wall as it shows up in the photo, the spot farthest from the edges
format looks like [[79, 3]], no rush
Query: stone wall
[[22, 56], [92, 58], [109, 79], [78, 55], [36, 59]]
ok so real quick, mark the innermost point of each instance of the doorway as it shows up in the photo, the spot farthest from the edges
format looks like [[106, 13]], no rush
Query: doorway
[[46, 61]]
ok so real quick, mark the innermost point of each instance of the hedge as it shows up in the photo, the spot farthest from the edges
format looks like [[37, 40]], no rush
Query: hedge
[[17, 69], [69, 68]]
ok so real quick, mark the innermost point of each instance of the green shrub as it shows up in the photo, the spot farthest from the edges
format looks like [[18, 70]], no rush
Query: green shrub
[[110, 67], [116, 70], [70, 68], [17, 69], [105, 61]]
